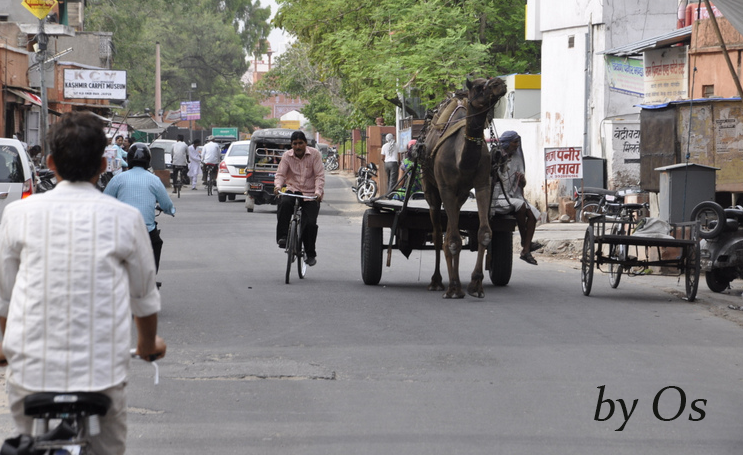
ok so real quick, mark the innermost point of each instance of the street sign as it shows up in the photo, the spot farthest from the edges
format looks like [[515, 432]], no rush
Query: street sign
[[224, 132], [39, 8]]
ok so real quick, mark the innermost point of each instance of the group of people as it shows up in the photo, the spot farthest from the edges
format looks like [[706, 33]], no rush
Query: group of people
[[508, 188], [188, 160]]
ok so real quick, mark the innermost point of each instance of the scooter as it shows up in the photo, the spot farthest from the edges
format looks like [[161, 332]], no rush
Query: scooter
[[331, 162], [365, 187], [47, 180], [721, 247]]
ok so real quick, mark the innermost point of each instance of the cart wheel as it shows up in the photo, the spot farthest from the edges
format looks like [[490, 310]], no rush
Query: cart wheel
[[711, 217], [371, 251], [692, 272], [615, 270], [616, 253], [586, 268], [501, 258]]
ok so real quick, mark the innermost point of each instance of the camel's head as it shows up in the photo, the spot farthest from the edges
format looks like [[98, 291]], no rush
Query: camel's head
[[484, 93]]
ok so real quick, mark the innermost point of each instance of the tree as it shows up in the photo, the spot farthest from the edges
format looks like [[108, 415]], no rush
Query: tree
[[378, 47], [201, 41]]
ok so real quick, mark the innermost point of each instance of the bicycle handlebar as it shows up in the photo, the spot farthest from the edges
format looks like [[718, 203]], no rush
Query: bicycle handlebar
[[299, 196], [133, 353]]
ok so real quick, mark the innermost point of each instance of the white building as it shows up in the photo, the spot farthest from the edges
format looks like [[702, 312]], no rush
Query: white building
[[578, 108]]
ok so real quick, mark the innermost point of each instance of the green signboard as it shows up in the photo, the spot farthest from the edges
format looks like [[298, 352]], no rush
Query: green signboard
[[224, 132]]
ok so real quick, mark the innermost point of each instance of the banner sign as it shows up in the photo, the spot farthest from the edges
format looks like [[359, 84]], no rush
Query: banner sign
[[625, 75], [190, 110], [666, 75], [563, 163], [95, 84]]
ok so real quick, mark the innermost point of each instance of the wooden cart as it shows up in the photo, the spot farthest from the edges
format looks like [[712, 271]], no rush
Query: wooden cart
[[609, 242], [411, 225]]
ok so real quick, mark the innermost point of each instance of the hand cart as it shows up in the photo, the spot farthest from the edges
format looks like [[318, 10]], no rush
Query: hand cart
[[610, 241]]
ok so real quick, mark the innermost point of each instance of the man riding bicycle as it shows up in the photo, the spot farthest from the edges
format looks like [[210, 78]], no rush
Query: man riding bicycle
[[180, 161], [302, 171], [212, 155]]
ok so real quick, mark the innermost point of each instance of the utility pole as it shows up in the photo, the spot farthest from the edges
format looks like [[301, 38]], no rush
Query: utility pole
[[42, 41], [158, 100]]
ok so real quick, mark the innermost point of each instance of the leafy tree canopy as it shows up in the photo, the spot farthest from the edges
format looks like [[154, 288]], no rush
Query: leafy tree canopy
[[379, 47], [201, 41]]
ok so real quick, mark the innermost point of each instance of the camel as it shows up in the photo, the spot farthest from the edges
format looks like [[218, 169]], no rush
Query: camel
[[455, 160]]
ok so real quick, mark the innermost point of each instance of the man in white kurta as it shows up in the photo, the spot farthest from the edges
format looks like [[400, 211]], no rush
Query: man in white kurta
[[75, 264]]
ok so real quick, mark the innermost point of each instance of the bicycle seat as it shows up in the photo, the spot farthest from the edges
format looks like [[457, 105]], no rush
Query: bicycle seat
[[56, 403], [634, 206]]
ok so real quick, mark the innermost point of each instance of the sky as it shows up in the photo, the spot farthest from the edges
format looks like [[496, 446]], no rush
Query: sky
[[277, 38]]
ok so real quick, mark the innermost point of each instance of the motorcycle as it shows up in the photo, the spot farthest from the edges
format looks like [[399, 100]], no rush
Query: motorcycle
[[592, 201], [331, 162], [47, 180], [365, 187], [721, 247]]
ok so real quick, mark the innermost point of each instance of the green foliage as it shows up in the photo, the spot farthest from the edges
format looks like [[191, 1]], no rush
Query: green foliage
[[378, 47], [201, 41]]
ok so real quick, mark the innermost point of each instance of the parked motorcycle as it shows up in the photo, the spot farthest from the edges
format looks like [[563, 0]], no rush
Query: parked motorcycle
[[47, 180], [592, 201], [331, 162], [721, 247], [366, 187]]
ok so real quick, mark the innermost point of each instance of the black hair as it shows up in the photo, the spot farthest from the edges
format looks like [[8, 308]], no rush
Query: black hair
[[77, 142], [35, 150], [298, 135], [180, 137], [119, 136], [196, 141]]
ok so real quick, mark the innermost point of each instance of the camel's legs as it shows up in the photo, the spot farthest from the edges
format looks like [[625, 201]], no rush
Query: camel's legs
[[484, 235], [452, 246], [435, 213]]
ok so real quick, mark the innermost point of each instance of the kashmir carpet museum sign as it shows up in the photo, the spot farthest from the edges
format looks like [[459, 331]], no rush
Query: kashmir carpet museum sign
[[95, 84]]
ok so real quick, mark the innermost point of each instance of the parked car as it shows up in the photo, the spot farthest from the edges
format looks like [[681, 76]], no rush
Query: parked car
[[231, 174], [166, 145], [16, 172]]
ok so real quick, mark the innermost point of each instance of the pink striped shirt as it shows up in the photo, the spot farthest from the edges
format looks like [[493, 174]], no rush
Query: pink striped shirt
[[306, 174]]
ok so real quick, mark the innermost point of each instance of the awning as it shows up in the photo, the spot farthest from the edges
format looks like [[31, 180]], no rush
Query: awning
[[28, 96], [32, 98], [677, 36]]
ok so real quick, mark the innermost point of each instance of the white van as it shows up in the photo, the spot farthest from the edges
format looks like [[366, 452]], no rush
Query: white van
[[16, 176]]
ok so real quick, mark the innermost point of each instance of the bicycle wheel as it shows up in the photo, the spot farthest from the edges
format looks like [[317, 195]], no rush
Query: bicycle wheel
[[586, 267], [179, 184], [290, 248], [301, 265], [692, 268]]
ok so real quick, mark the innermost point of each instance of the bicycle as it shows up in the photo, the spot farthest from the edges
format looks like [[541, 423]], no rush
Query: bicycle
[[210, 179], [294, 247], [178, 181], [78, 415], [628, 216]]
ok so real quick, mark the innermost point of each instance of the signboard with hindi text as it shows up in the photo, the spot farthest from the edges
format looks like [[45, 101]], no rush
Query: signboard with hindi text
[[39, 8], [666, 74], [563, 163], [190, 110]]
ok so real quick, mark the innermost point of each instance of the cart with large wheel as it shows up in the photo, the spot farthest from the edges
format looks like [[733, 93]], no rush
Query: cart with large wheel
[[612, 246], [408, 225]]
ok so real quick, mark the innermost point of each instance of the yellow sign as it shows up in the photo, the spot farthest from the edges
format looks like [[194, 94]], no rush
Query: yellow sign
[[39, 8], [291, 124]]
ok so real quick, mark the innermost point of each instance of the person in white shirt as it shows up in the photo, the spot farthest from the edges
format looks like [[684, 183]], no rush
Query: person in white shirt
[[194, 162], [75, 265], [391, 156], [180, 159], [210, 158]]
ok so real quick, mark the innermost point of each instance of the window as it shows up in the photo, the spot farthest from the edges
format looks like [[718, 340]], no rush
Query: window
[[708, 91], [11, 167], [571, 41]]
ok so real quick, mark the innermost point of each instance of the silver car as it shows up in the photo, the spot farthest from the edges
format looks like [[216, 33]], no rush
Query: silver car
[[16, 173], [231, 175]]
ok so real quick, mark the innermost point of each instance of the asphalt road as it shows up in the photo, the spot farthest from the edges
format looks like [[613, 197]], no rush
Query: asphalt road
[[327, 365]]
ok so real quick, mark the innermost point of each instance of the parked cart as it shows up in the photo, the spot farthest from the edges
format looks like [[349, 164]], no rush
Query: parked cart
[[612, 245], [412, 226]]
